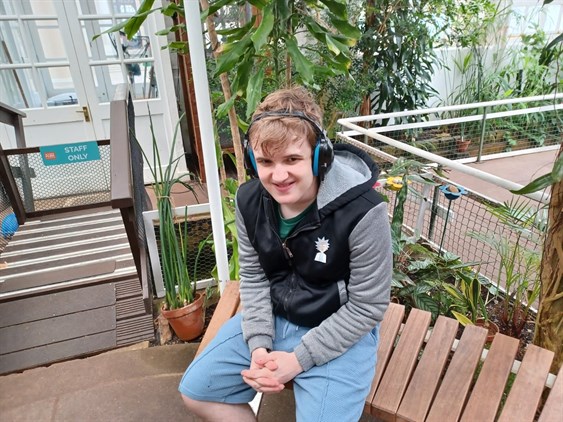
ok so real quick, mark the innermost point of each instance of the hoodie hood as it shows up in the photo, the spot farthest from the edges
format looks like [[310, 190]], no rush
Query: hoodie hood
[[351, 174]]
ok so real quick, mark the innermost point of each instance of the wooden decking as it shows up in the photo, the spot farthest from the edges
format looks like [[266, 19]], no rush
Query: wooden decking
[[68, 288]]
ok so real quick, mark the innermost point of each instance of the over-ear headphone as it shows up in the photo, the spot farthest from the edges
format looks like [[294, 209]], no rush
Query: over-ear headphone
[[323, 153]]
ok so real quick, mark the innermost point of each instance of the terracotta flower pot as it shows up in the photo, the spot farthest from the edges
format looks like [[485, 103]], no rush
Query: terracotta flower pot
[[187, 322], [488, 325], [463, 144]]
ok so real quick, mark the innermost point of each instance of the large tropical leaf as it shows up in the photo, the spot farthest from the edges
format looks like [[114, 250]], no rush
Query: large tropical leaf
[[260, 37], [302, 64], [231, 55], [254, 92]]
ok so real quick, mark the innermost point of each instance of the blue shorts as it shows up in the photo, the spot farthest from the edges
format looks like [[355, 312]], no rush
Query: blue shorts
[[335, 391]]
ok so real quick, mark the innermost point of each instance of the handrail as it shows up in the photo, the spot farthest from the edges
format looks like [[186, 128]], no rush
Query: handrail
[[122, 184], [121, 176], [12, 117], [550, 97]]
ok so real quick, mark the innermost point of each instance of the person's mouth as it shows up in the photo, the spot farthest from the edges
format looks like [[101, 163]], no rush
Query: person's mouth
[[283, 187]]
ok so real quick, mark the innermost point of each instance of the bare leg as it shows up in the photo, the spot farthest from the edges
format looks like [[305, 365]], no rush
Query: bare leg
[[219, 412]]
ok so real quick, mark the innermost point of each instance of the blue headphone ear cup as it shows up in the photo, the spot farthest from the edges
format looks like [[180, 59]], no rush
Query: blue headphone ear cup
[[252, 160], [316, 159], [249, 160]]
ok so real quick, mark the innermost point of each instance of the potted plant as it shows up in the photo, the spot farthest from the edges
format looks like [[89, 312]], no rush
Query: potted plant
[[468, 299], [183, 306]]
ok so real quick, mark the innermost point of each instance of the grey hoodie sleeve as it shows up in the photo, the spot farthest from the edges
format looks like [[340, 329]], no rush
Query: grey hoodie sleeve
[[257, 320], [371, 263]]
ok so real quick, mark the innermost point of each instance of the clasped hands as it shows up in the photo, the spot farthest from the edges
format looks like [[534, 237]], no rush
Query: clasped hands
[[269, 371]]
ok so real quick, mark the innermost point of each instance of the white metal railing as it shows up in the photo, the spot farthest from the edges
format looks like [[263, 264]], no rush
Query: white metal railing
[[375, 133], [435, 110], [428, 214]]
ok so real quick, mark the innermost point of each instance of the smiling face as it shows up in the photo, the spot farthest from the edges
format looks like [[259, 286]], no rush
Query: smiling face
[[287, 175]]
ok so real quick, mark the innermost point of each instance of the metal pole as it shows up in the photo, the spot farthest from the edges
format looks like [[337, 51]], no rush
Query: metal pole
[[445, 226], [433, 212], [482, 140], [201, 85]]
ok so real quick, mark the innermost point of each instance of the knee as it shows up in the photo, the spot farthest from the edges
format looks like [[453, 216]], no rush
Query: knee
[[194, 406]]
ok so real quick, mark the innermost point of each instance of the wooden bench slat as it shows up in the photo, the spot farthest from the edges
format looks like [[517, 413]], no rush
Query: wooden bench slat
[[393, 390], [423, 385], [451, 396], [487, 392], [226, 308], [394, 383], [553, 408], [387, 334], [525, 394]]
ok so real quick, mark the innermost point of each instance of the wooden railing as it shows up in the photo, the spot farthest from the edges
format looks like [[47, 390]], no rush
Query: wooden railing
[[12, 117], [127, 186]]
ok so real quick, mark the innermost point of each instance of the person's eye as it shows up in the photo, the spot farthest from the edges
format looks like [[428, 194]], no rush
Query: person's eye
[[292, 160], [263, 162]]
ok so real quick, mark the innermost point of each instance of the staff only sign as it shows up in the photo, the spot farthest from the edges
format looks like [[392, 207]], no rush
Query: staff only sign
[[54, 155]]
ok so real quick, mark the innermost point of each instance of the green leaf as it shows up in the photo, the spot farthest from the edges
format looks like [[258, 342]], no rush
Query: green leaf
[[302, 64], [420, 265], [260, 4], [336, 7], [214, 7], [455, 293], [345, 28], [427, 303], [173, 28], [224, 108], [260, 36], [134, 23], [244, 71], [254, 92], [282, 9], [171, 9], [231, 55], [463, 320]]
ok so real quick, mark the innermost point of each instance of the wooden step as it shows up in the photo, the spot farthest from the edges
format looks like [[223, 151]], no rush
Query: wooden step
[[52, 240], [63, 278], [39, 231], [117, 252], [61, 220], [66, 248]]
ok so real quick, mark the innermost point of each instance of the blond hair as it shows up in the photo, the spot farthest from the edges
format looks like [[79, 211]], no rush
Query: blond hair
[[272, 133]]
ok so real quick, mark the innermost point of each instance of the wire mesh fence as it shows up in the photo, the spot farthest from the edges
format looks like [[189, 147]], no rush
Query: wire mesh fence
[[475, 130], [465, 227], [55, 187]]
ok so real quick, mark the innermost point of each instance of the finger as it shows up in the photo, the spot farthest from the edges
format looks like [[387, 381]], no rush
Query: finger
[[272, 390], [268, 382], [256, 373], [271, 365]]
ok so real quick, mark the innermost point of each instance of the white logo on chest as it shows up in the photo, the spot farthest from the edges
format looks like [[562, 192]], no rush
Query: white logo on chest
[[322, 246]]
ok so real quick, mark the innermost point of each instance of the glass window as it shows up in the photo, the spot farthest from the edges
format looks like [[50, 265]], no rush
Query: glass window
[[17, 88], [12, 49], [99, 7]]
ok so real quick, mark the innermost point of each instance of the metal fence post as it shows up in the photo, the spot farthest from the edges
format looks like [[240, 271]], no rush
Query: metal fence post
[[482, 139]]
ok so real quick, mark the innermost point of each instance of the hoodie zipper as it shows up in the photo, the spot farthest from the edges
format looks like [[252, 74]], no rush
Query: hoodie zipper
[[289, 257]]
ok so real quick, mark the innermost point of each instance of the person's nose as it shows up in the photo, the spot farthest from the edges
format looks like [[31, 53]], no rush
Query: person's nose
[[280, 173]]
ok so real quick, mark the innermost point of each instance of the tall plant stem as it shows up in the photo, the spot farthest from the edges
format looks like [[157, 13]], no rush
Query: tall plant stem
[[226, 87]]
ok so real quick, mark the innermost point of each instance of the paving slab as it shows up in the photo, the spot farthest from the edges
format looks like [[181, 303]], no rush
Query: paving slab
[[116, 386], [520, 169]]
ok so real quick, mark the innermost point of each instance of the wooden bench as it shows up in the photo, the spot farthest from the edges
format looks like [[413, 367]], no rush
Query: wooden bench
[[428, 375]]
